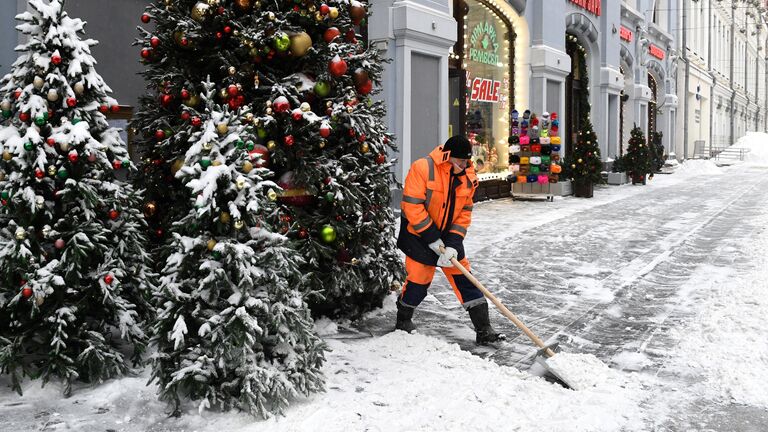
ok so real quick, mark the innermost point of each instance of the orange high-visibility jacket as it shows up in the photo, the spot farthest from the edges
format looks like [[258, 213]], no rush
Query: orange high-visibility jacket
[[433, 208]]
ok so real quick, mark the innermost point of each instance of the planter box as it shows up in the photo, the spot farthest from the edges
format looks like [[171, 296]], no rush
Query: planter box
[[492, 189], [562, 188], [618, 178], [584, 190]]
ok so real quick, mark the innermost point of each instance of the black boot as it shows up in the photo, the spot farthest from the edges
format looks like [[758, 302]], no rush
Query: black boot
[[485, 333], [404, 316]]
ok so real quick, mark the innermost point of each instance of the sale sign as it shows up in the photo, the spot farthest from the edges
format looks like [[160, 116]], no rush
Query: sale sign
[[656, 52], [485, 90]]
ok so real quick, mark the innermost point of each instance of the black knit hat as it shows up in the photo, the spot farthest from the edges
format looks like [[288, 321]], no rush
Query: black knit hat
[[459, 147]]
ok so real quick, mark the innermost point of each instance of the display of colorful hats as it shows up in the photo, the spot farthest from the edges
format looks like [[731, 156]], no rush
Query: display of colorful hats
[[533, 156]]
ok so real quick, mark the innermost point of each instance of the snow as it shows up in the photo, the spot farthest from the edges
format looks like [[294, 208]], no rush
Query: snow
[[716, 351], [757, 145]]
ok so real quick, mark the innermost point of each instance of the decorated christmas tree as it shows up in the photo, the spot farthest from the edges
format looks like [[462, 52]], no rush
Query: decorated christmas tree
[[307, 76], [585, 163], [657, 152], [73, 283], [233, 329], [637, 159]]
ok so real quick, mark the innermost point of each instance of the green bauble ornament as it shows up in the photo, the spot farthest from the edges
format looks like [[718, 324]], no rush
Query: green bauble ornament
[[216, 255], [261, 132], [282, 42], [40, 120], [328, 234], [330, 197], [5, 195], [205, 163], [7, 113], [250, 145], [322, 88], [240, 144], [28, 146], [63, 173], [75, 121]]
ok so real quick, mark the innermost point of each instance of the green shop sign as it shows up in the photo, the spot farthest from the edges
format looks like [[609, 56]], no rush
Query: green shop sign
[[484, 44]]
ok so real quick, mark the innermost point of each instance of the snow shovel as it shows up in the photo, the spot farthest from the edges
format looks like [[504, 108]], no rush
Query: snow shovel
[[545, 351]]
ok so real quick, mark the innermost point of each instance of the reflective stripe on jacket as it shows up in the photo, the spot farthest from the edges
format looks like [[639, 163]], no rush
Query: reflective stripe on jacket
[[432, 208]]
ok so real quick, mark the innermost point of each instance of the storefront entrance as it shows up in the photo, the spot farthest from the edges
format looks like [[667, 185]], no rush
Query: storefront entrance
[[576, 91], [481, 82]]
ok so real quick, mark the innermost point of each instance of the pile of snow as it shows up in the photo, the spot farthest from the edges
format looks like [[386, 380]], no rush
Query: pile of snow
[[757, 144], [696, 167]]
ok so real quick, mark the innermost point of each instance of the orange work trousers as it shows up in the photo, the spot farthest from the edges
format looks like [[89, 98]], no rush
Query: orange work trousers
[[419, 277]]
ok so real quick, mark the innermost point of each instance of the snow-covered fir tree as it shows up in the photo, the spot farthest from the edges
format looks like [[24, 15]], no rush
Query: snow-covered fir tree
[[638, 159], [73, 281], [308, 78], [233, 329]]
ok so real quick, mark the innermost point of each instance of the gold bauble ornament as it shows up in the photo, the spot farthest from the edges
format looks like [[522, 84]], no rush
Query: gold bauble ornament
[[51, 170], [53, 95], [248, 117], [223, 93], [222, 128], [232, 70], [199, 10], [192, 101], [247, 167], [79, 88], [2, 175], [225, 218], [271, 145], [364, 147], [38, 82], [319, 17], [213, 2], [207, 146], [20, 233], [240, 182], [268, 111], [272, 195], [243, 5], [7, 156], [177, 164], [354, 261], [150, 208], [321, 144], [211, 244], [300, 44], [304, 107], [580, 160], [333, 13], [64, 146], [239, 224], [216, 162], [271, 16], [350, 109]]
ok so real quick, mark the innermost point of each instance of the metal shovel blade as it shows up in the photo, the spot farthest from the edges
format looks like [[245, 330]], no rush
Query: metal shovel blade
[[541, 360]]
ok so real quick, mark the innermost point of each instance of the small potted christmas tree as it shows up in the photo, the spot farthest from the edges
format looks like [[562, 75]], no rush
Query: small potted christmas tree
[[637, 160], [585, 162]]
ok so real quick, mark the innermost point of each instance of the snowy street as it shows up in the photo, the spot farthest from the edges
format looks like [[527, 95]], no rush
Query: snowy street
[[665, 283]]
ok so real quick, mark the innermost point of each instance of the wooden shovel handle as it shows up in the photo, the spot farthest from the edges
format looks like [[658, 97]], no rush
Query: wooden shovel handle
[[500, 306]]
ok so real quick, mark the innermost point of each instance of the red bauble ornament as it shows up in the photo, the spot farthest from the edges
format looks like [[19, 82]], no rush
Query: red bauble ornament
[[145, 18], [350, 35], [325, 131], [288, 140], [145, 53], [185, 115], [114, 214], [56, 59], [351, 132], [166, 99], [159, 232], [366, 87], [296, 8], [232, 90], [71, 102], [361, 137], [259, 150], [51, 142], [281, 104], [185, 94], [39, 173], [385, 139], [232, 104], [108, 279], [324, 9], [154, 41], [160, 134], [292, 194], [26, 292], [117, 164], [196, 121], [73, 156], [297, 114], [219, 35], [115, 108], [337, 67], [103, 109], [381, 158], [327, 180], [330, 34], [24, 117], [303, 233], [227, 29]]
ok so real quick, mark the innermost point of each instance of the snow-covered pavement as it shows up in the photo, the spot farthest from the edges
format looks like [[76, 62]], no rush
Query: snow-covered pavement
[[665, 283]]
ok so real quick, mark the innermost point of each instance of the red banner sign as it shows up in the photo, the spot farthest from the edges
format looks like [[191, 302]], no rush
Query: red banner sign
[[625, 34], [485, 90], [590, 5], [656, 51]]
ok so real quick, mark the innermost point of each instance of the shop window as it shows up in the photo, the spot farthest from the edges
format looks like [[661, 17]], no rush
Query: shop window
[[484, 61]]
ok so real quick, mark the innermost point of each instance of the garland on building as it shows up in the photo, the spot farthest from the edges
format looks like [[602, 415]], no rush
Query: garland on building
[[573, 45], [585, 162]]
